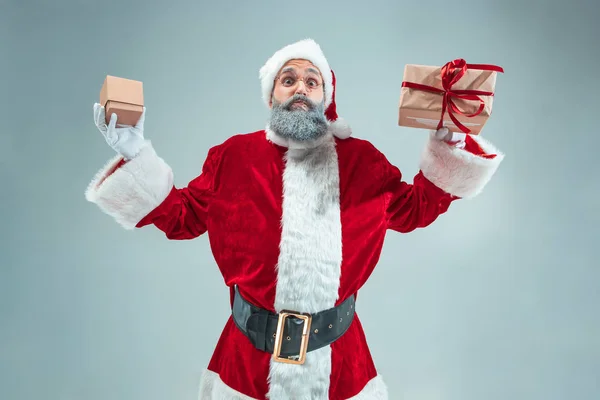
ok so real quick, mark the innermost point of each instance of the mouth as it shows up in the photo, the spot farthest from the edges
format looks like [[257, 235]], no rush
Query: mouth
[[299, 104]]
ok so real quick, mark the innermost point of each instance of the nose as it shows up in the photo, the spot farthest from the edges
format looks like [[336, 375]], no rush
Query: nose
[[301, 88]]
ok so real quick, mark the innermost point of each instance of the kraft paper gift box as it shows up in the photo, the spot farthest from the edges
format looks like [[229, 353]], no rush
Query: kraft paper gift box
[[463, 92], [125, 97]]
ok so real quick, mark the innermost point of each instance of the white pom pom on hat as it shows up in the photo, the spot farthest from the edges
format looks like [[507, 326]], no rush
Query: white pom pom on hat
[[306, 49]]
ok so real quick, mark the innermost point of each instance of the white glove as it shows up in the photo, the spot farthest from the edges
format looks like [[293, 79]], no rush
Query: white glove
[[126, 140], [456, 139]]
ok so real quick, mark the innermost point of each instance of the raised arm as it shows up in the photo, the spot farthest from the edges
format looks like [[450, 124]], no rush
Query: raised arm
[[449, 170], [136, 186]]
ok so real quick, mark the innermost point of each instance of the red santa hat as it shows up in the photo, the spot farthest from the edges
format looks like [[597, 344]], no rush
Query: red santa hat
[[306, 49]]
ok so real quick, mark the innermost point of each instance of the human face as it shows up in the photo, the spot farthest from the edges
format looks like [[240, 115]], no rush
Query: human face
[[298, 77]]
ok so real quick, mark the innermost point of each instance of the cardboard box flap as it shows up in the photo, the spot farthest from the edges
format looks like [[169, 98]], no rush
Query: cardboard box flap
[[122, 90]]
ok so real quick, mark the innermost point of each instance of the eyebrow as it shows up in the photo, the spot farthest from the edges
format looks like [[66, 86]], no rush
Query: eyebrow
[[291, 69]]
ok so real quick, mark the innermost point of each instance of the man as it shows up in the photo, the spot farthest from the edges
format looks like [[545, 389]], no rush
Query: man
[[296, 216]]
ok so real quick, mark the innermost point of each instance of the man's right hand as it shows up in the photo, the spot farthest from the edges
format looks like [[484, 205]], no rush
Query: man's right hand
[[126, 140]]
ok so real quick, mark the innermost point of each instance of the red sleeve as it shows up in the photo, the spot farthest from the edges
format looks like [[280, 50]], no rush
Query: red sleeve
[[412, 205], [418, 204], [183, 213]]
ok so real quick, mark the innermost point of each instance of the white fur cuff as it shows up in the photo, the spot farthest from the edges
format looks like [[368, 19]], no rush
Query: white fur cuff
[[457, 171], [129, 193]]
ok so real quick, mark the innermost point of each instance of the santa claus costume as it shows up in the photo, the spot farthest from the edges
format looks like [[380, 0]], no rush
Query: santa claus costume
[[293, 226]]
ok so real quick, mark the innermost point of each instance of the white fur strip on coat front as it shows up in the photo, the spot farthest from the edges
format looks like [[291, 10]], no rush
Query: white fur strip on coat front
[[132, 191], [213, 388], [310, 258], [457, 171]]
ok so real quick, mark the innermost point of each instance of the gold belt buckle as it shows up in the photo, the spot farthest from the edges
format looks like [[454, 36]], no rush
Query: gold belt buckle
[[279, 338]]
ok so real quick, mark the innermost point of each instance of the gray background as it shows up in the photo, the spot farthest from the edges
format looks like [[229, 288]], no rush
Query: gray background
[[497, 300]]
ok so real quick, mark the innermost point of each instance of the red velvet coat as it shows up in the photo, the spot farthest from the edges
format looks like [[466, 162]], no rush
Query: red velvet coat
[[294, 228]]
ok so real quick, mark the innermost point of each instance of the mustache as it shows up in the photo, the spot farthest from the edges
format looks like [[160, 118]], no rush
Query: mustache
[[287, 105]]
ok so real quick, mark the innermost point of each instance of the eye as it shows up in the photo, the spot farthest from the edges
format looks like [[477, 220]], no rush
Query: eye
[[287, 81], [313, 82]]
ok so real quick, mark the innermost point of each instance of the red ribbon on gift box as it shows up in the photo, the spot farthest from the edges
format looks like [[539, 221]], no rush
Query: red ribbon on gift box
[[451, 73]]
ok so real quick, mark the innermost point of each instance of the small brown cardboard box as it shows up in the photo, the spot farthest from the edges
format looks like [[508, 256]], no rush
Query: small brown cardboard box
[[125, 97], [423, 109]]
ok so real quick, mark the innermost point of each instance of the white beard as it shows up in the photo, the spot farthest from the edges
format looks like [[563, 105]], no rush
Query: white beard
[[298, 124]]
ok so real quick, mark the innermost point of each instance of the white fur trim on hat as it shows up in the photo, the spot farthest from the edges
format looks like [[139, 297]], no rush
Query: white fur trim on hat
[[306, 49]]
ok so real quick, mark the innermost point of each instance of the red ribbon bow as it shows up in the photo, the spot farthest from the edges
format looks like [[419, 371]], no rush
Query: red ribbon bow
[[451, 73]]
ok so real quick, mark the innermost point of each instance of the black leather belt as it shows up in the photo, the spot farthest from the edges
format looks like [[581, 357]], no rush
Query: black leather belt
[[289, 335]]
